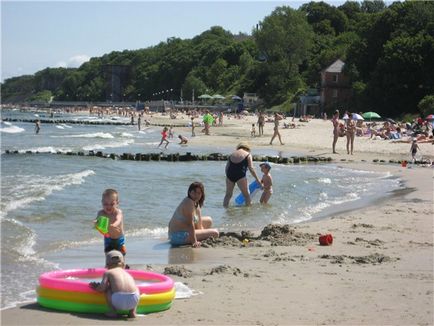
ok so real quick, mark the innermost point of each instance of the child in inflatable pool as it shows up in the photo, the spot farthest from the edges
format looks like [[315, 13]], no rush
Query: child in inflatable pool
[[187, 225], [267, 182], [115, 239], [119, 287]]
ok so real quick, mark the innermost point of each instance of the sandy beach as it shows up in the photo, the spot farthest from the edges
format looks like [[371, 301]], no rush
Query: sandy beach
[[379, 269]]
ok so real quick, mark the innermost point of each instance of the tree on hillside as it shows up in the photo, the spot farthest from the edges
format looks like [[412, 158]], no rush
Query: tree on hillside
[[284, 38]]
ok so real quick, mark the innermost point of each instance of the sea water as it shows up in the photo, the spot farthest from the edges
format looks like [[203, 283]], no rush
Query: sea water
[[49, 201]]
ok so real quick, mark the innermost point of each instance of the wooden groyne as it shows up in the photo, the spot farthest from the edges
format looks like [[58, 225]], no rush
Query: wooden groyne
[[189, 157], [176, 157]]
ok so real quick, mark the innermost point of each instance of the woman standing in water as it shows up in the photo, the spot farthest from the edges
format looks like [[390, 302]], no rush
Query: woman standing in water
[[236, 168]]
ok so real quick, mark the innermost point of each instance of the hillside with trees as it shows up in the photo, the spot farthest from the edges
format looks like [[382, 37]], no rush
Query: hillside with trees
[[388, 51]]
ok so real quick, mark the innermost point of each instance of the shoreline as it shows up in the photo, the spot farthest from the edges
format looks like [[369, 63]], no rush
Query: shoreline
[[379, 252]]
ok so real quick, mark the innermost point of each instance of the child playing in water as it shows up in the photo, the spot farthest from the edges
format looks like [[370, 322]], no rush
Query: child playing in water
[[183, 140], [267, 182], [115, 239], [120, 290], [164, 137]]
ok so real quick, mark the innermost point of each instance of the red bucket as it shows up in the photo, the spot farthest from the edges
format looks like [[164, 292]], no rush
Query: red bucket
[[404, 164], [325, 240]]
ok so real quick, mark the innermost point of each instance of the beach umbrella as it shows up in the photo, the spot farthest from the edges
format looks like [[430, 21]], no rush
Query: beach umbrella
[[357, 116], [430, 117], [345, 117], [237, 98], [205, 96], [218, 96], [371, 115]]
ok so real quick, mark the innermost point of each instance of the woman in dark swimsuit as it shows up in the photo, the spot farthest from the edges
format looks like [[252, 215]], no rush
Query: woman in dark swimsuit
[[236, 169]]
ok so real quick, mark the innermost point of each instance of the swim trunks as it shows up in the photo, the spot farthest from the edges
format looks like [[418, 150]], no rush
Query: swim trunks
[[115, 244], [125, 300], [178, 238], [237, 171]]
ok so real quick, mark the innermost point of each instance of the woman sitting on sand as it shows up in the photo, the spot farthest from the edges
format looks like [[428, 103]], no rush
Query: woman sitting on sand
[[187, 225], [236, 169]]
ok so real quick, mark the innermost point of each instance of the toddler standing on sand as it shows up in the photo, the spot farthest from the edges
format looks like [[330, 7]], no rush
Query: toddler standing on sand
[[267, 182], [120, 290], [114, 239]]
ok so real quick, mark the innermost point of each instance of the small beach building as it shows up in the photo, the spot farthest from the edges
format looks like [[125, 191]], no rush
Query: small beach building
[[336, 91]]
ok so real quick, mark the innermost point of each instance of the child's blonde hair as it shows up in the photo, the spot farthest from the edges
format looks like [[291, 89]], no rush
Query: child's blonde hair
[[110, 193]]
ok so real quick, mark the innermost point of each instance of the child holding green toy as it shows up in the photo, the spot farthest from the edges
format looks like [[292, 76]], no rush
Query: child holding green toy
[[114, 239]]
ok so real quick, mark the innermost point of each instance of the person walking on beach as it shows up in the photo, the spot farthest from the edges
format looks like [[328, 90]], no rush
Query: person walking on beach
[[261, 122], [193, 134], [115, 239], [187, 225], [413, 149], [37, 126], [164, 137], [120, 289], [236, 168], [277, 118], [351, 133], [335, 121]]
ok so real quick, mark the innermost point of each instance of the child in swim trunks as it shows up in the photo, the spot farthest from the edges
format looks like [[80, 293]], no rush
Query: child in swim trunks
[[267, 182], [119, 287], [114, 239], [164, 137]]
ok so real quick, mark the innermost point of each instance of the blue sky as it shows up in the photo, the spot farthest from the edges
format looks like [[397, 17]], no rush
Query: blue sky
[[36, 34]]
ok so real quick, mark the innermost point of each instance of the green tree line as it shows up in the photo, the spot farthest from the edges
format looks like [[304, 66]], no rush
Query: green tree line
[[388, 53]]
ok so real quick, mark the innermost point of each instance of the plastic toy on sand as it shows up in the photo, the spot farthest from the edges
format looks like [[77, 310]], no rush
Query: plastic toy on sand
[[254, 187], [102, 224], [326, 240]]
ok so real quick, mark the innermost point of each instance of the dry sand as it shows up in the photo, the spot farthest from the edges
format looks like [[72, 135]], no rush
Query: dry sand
[[379, 269]]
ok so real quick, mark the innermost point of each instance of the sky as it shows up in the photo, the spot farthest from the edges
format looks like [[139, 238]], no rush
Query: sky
[[40, 34]]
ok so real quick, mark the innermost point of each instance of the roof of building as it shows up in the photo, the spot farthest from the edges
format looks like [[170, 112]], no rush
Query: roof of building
[[336, 66]]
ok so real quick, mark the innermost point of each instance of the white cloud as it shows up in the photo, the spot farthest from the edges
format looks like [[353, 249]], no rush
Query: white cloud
[[74, 61]]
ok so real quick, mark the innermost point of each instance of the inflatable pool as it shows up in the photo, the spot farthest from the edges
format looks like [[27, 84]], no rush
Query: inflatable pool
[[69, 290]]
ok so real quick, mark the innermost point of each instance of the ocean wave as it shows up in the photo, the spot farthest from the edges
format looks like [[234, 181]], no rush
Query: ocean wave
[[45, 149], [325, 180], [60, 127], [19, 191], [108, 145], [127, 134], [105, 135], [12, 129], [155, 232]]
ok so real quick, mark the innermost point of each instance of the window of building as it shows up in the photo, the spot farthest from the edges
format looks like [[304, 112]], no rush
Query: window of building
[[335, 93], [335, 78]]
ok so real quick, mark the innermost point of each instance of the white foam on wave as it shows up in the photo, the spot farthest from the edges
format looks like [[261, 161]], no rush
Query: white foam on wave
[[126, 134], [105, 135], [155, 232], [12, 129], [325, 180], [65, 125], [7, 123], [46, 149], [23, 190], [108, 145], [60, 127]]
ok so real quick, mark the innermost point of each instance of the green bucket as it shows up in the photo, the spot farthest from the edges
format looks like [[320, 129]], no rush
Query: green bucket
[[102, 224]]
